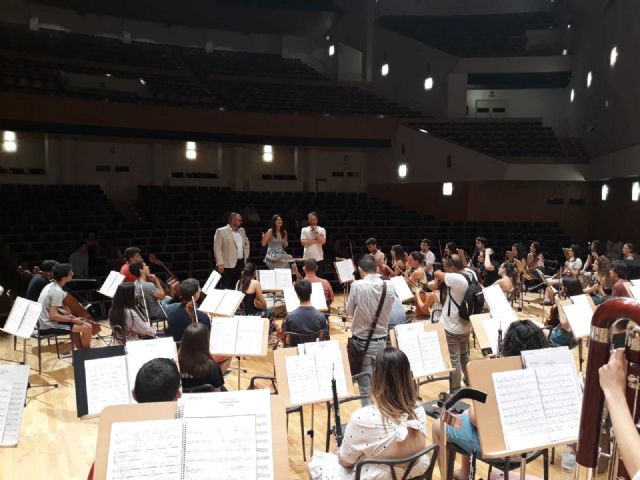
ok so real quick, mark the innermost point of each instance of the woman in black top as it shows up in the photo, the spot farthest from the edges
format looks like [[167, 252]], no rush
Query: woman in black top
[[253, 301], [197, 368]]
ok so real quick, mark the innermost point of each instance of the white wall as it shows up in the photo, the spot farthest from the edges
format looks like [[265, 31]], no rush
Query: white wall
[[550, 104]]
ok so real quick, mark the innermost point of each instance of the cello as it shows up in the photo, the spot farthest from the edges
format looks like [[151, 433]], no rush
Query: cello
[[172, 282]]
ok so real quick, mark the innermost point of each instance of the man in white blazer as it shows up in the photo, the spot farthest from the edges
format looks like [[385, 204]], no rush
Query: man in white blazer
[[231, 251]]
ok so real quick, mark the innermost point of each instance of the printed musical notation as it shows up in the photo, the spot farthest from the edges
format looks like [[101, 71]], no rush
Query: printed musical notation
[[422, 348], [106, 383]]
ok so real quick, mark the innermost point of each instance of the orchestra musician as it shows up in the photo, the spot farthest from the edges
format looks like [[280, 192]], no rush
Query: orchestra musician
[[54, 317], [40, 279], [131, 254], [481, 244], [628, 252], [488, 267], [123, 313], [596, 249], [380, 258], [600, 284], [535, 261], [398, 261], [429, 256], [571, 269]]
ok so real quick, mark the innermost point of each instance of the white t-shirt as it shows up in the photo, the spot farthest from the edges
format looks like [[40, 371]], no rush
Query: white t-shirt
[[314, 251], [458, 287], [429, 258], [51, 296]]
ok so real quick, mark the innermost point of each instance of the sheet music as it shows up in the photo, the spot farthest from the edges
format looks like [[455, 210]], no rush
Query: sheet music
[[220, 448], [211, 282], [140, 352], [267, 279], [229, 303], [6, 386], [110, 285], [635, 282], [302, 379], [635, 290], [345, 269], [328, 363], [561, 401], [283, 278], [250, 336], [583, 300], [402, 289], [224, 331], [18, 375], [491, 327], [255, 404], [579, 318], [407, 336], [498, 303], [149, 450], [23, 317], [211, 301], [318, 299], [520, 406], [431, 352], [107, 383], [545, 357]]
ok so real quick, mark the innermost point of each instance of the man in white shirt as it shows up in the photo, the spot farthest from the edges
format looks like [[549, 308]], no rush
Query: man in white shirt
[[457, 330], [362, 306], [313, 238], [231, 251], [429, 257]]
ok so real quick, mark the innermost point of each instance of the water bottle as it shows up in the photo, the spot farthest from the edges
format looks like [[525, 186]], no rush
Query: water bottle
[[568, 463]]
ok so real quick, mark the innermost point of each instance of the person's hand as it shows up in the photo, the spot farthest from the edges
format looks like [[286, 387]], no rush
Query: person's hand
[[488, 251], [152, 277], [613, 375], [220, 269]]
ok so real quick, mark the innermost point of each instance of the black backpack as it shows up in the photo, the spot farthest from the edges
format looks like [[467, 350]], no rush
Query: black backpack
[[473, 300]]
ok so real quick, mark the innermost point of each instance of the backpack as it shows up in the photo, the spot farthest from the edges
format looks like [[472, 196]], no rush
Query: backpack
[[473, 300]]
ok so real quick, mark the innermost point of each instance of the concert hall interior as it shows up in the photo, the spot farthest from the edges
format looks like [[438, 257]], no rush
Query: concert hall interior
[[325, 239]]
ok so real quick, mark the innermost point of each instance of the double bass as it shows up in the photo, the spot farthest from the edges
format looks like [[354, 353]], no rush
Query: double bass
[[172, 282]]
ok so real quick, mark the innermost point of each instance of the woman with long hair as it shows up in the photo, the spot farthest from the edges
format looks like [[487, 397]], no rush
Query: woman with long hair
[[276, 240], [398, 261], [197, 367], [601, 284], [521, 335], [253, 301], [393, 426], [508, 277], [561, 335], [123, 314]]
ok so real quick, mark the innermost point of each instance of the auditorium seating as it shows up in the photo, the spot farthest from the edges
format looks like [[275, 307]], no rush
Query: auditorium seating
[[501, 139], [475, 35]]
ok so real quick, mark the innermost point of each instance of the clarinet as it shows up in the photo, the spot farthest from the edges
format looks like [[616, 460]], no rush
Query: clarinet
[[499, 353], [337, 429]]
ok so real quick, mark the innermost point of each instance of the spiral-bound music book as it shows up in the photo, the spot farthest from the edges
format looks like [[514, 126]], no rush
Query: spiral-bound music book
[[14, 380]]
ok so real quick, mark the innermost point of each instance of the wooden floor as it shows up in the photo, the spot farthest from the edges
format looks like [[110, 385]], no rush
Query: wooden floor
[[55, 444]]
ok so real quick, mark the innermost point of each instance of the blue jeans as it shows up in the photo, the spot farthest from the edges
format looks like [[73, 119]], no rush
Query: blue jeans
[[375, 347], [466, 437]]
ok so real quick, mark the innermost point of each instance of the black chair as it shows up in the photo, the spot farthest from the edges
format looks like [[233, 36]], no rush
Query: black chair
[[289, 410], [407, 464], [41, 336], [199, 389], [292, 339], [353, 398]]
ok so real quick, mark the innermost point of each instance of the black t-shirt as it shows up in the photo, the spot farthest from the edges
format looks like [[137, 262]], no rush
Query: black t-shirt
[[490, 277], [213, 378], [178, 320], [36, 284], [305, 320]]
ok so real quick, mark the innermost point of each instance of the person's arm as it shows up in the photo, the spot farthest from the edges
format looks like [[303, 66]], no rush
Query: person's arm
[[246, 244], [260, 303], [304, 240], [322, 237], [56, 316], [613, 379], [285, 240], [488, 264], [158, 291], [332, 296], [351, 303], [295, 271], [265, 238], [587, 264], [439, 276], [139, 326], [217, 251]]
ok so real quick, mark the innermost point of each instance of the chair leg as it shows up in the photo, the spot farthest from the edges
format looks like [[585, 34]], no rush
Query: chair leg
[[304, 448], [328, 439], [553, 456], [451, 460], [545, 457], [14, 342], [39, 357], [57, 346]]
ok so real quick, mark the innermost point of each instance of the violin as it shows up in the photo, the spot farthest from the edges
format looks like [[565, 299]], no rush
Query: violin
[[190, 308], [172, 282]]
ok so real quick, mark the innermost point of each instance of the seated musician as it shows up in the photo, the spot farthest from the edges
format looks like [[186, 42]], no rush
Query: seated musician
[[393, 426], [253, 302], [600, 283], [197, 366], [535, 262], [618, 278], [123, 313], [149, 291], [417, 277], [181, 317], [381, 258], [596, 249], [571, 268], [310, 268], [521, 335], [429, 257], [508, 277], [40, 280], [398, 261], [305, 319], [629, 253], [481, 245], [561, 334], [489, 267], [131, 255], [54, 317]]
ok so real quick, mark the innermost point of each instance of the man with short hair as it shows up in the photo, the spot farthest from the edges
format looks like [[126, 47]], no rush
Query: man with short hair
[[40, 280], [310, 269], [306, 318], [365, 296], [179, 318], [54, 317], [131, 254], [429, 256], [231, 251], [158, 380], [456, 329], [149, 291], [380, 258], [313, 238], [79, 260]]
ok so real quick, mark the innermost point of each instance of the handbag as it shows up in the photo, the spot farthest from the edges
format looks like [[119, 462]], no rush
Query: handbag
[[355, 352]]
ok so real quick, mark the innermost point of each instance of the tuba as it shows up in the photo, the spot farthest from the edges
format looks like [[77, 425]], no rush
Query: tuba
[[603, 324]]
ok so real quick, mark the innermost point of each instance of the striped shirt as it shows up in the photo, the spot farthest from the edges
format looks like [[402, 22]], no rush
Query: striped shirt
[[363, 303]]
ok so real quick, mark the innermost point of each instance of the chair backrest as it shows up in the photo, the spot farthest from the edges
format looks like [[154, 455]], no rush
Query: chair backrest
[[269, 378], [403, 465], [292, 339], [199, 389], [117, 332]]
